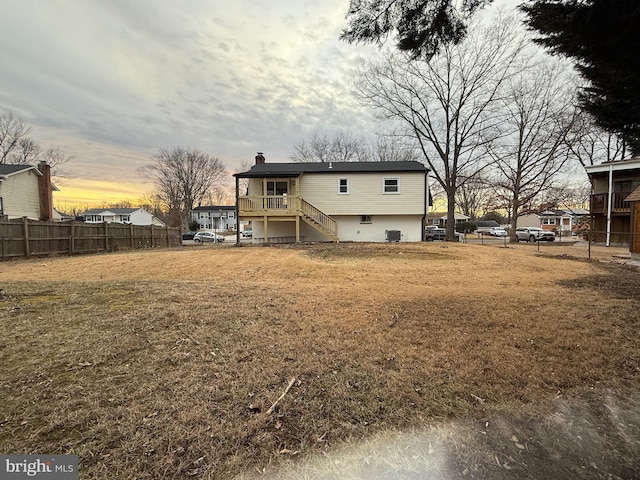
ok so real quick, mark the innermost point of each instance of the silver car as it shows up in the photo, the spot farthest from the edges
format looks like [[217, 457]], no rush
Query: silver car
[[207, 237]]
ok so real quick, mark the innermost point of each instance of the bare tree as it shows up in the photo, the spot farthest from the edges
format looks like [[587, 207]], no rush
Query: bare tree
[[447, 105], [532, 148], [17, 147], [394, 148], [243, 183], [344, 146], [589, 144], [183, 177], [475, 196], [13, 134]]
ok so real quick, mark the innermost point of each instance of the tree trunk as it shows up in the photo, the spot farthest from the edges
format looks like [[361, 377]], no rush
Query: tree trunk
[[451, 218]]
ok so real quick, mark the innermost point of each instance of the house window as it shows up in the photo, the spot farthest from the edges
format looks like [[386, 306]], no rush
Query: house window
[[391, 185], [231, 215], [277, 188], [125, 218], [343, 185], [1, 209], [622, 186], [365, 218], [548, 221]]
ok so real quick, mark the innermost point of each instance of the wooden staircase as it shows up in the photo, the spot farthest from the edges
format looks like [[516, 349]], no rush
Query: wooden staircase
[[318, 220]]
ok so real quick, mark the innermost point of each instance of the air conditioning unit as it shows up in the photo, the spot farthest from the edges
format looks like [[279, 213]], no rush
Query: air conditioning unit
[[393, 235]]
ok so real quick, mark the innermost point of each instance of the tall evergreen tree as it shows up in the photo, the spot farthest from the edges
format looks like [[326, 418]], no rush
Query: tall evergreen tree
[[421, 27], [602, 37]]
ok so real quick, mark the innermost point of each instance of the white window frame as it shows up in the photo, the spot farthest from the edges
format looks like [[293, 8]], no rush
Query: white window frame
[[384, 186], [340, 192], [366, 219], [549, 221]]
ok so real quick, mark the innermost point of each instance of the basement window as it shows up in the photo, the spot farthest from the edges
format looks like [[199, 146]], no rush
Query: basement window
[[365, 219]]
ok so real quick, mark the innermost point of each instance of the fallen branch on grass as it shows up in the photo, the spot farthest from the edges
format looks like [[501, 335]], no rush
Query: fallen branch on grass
[[286, 390], [187, 335]]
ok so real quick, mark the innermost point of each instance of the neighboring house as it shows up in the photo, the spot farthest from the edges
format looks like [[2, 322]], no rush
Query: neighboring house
[[611, 184], [560, 221], [334, 201], [485, 226], [634, 244], [440, 218], [62, 217], [135, 216], [26, 191], [215, 217]]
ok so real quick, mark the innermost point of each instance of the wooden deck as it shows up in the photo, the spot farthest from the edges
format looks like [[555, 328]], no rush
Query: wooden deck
[[274, 207], [619, 205]]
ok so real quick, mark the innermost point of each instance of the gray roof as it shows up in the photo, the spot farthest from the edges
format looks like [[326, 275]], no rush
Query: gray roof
[[210, 208], [9, 169], [486, 223], [297, 169], [117, 211]]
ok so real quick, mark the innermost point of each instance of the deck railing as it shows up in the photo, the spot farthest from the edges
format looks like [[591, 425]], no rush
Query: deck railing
[[619, 205], [327, 223], [268, 204], [287, 205]]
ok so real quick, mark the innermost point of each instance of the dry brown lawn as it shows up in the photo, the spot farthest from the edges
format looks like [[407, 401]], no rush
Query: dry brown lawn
[[171, 363]]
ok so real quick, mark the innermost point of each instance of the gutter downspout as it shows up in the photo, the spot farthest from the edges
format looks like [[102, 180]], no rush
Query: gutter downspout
[[610, 197], [237, 210], [426, 206]]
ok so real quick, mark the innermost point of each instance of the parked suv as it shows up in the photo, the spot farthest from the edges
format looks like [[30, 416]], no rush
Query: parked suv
[[534, 234], [433, 232]]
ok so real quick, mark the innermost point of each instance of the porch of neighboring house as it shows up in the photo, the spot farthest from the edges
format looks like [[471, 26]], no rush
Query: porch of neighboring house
[[282, 212], [620, 217]]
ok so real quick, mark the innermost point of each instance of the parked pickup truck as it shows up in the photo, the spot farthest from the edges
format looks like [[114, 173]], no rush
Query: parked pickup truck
[[433, 232]]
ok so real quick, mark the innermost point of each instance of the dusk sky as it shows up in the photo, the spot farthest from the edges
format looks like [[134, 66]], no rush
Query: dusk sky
[[111, 81]]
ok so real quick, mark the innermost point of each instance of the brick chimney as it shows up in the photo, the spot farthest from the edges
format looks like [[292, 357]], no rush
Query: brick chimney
[[260, 158], [45, 192]]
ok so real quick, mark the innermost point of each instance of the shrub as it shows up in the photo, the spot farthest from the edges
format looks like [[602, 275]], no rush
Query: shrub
[[466, 227]]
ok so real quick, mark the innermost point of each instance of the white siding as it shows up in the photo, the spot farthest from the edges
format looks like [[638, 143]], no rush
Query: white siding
[[366, 196], [530, 220], [351, 230], [20, 197], [141, 217]]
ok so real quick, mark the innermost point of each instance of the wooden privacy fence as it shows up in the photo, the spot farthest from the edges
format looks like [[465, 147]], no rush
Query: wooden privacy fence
[[24, 238]]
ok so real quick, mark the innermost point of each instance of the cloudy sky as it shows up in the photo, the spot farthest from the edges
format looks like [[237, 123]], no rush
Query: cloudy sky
[[111, 81]]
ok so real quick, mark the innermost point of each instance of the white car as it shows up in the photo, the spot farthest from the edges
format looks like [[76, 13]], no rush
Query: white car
[[497, 232], [207, 237]]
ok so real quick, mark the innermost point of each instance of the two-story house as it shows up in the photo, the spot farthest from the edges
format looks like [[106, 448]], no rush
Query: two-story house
[[215, 217], [334, 201], [135, 216], [611, 184], [26, 191]]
